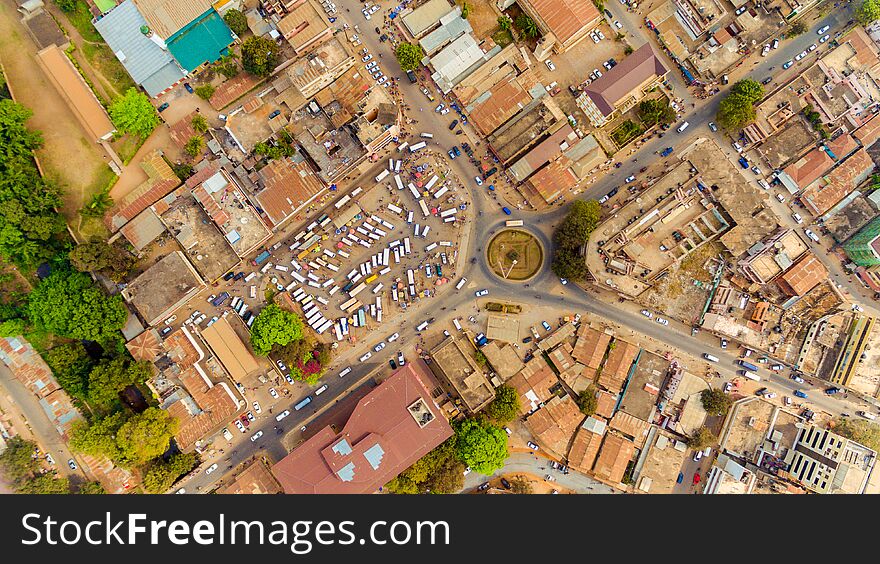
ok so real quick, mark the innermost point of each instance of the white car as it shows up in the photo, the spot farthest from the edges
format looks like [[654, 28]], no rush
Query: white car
[[282, 415], [382, 80], [647, 314], [226, 434], [444, 111], [770, 395], [824, 38], [374, 9], [594, 37], [481, 293], [800, 55], [440, 107], [823, 29], [617, 24], [400, 360], [478, 180], [366, 356], [662, 321], [372, 64], [563, 281], [256, 436], [170, 320], [367, 58], [257, 407], [393, 337], [239, 425], [273, 393], [798, 379], [379, 347], [211, 468], [365, 13], [797, 218], [550, 65], [812, 47], [787, 64], [281, 365]]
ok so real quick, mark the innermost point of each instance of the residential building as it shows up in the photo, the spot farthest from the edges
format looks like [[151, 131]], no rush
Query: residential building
[[455, 364], [163, 287], [304, 27], [426, 17], [803, 275], [858, 335], [389, 429], [562, 24], [825, 462], [622, 87], [460, 58]]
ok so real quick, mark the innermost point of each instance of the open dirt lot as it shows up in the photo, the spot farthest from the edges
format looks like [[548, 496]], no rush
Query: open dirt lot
[[67, 156], [482, 16]]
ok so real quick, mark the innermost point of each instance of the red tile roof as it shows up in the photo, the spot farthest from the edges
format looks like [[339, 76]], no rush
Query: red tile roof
[[613, 458], [381, 439], [823, 194], [803, 276], [617, 366], [565, 18], [288, 186]]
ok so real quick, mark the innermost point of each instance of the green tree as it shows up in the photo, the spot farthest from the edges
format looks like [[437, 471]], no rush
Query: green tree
[[571, 235], [409, 55], [133, 113], [13, 327], [438, 472], [715, 402], [16, 462], [204, 92], [275, 326], [481, 445], [737, 110], [71, 365], [97, 205], [797, 28], [182, 170], [199, 123], [67, 6], [91, 488], [161, 475], [227, 66], [47, 483], [259, 56], [99, 256], [236, 21], [504, 23], [68, 304], [465, 10], [701, 438], [99, 437], [656, 111], [868, 12], [859, 430], [110, 377], [505, 407], [527, 26], [127, 441], [587, 401], [480, 358], [195, 146]]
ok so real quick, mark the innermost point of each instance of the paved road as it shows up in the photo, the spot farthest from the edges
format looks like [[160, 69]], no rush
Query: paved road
[[546, 289], [43, 430], [524, 463]]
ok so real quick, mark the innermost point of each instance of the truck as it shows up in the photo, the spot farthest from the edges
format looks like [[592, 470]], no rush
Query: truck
[[666, 152], [261, 258], [710, 358], [480, 340], [747, 365], [750, 375], [866, 415], [411, 76]]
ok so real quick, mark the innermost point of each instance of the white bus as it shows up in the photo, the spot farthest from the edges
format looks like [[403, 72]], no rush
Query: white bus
[[439, 193], [344, 200], [406, 248], [412, 188], [398, 181], [394, 209], [410, 277], [431, 182], [750, 375], [357, 290], [253, 292], [461, 283], [378, 288], [339, 336], [402, 146], [417, 147], [409, 216], [513, 223], [426, 135], [422, 326], [430, 247], [450, 219], [347, 304], [250, 277], [425, 230], [356, 192], [450, 211], [456, 323]]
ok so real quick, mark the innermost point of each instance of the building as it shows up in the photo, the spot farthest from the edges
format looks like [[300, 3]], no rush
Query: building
[[858, 335], [618, 365], [503, 328], [391, 427], [255, 478], [459, 59], [824, 462], [767, 259], [822, 195], [304, 27], [454, 363], [146, 58], [585, 447], [287, 186], [452, 26], [614, 457], [163, 287], [864, 247], [803, 276], [230, 350], [535, 384], [161, 180], [554, 424], [563, 24], [622, 87], [426, 16], [79, 97]]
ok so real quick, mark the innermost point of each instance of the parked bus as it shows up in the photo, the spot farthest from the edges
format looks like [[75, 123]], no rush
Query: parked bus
[[426, 135], [513, 223], [750, 375], [406, 247], [747, 365], [303, 403], [456, 322], [261, 258], [424, 207], [431, 182], [394, 209], [412, 188], [439, 193], [345, 199], [410, 277], [450, 211], [417, 147], [398, 182], [461, 283], [710, 358]]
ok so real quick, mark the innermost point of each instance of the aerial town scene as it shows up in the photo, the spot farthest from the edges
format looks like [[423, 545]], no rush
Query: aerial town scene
[[436, 246]]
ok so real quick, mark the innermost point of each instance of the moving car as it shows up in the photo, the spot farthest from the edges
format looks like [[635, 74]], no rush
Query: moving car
[[787, 64], [800, 394], [823, 29], [393, 337], [824, 38], [256, 436], [662, 321], [366, 356], [481, 293], [379, 347], [282, 415], [211, 468], [666, 152], [712, 126], [630, 178], [647, 314], [797, 379]]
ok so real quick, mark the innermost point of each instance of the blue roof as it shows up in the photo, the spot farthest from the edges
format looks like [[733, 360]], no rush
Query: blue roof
[[146, 61], [203, 40], [374, 455]]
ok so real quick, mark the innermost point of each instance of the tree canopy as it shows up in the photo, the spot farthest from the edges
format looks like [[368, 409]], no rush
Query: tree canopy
[[127, 440], [527, 26], [737, 110], [29, 224], [16, 462], [48, 483], [68, 304], [715, 401], [70, 363], [656, 111], [204, 92], [701, 438], [409, 55], [195, 146], [236, 21], [573, 234], [199, 123], [440, 471], [587, 401], [259, 56], [868, 12], [161, 475], [98, 256], [505, 407], [110, 377], [133, 113], [275, 326], [481, 445]]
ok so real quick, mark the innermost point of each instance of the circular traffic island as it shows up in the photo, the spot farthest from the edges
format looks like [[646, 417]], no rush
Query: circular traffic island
[[515, 254]]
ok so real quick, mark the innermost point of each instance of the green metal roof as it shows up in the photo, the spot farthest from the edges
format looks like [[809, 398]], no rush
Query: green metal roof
[[204, 40]]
